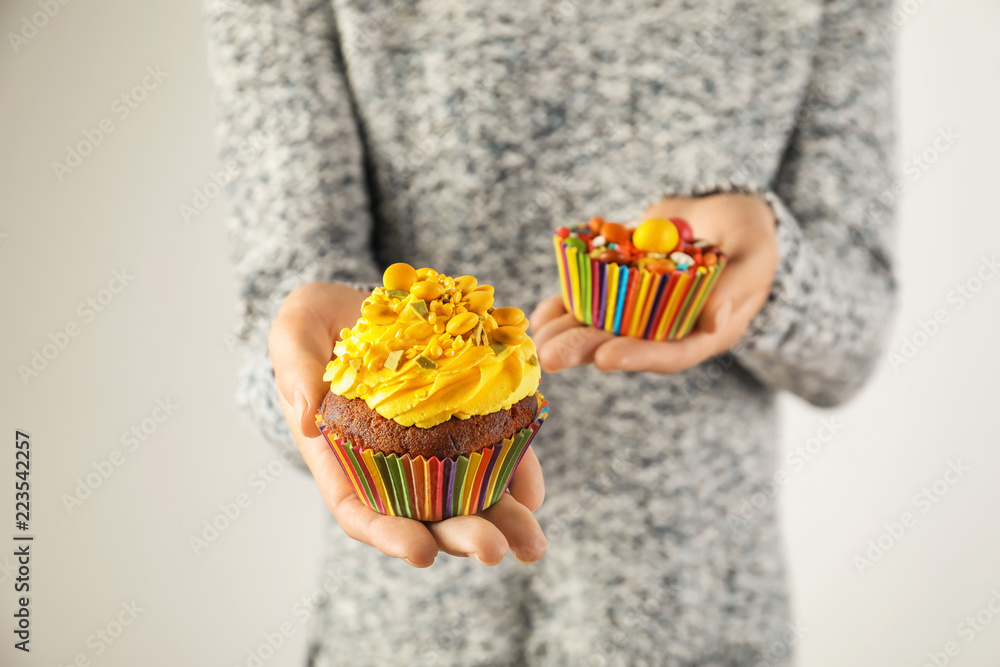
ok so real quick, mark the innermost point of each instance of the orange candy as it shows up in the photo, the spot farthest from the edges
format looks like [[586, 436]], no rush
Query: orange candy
[[615, 233], [595, 224], [657, 265]]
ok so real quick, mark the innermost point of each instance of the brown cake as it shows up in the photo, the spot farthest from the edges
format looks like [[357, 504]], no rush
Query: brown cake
[[359, 424]]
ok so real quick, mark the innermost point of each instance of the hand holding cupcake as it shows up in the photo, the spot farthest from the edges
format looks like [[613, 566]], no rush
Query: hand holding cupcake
[[741, 225], [428, 409]]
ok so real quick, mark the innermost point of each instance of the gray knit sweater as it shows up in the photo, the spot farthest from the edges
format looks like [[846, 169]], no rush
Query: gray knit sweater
[[457, 134]]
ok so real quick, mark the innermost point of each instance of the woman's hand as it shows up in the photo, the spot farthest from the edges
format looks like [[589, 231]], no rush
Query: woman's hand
[[745, 228], [301, 343]]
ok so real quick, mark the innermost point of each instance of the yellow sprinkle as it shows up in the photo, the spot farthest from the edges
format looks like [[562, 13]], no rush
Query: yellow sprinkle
[[462, 323]]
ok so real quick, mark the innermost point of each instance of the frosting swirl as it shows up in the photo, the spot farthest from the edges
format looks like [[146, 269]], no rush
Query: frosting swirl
[[429, 348]]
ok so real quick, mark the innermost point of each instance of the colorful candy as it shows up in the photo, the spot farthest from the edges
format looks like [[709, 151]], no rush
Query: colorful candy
[[683, 229], [656, 235], [612, 256], [577, 243], [657, 265], [614, 232], [682, 260], [648, 282]]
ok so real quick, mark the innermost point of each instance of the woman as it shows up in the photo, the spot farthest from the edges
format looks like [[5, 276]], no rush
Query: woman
[[457, 136]]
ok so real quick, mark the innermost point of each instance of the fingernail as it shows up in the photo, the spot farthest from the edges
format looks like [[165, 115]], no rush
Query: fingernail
[[300, 406], [474, 556]]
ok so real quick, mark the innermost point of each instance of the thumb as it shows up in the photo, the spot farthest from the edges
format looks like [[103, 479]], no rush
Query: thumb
[[301, 344], [743, 286]]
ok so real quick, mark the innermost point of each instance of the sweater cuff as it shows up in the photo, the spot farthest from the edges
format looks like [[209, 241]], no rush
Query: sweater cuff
[[775, 322]]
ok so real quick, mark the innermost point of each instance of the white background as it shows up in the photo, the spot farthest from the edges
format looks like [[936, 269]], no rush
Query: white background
[[163, 338]]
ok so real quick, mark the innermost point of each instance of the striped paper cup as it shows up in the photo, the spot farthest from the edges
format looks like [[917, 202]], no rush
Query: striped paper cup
[[433, 489], [628, 301]]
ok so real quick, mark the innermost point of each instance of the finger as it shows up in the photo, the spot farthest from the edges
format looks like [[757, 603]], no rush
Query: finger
[[301, 344], [528, 485], [398, 537], [471, 536], [743, 286], [520, 528], [546, 311], [664, 357], [553, 328], [575, 346]]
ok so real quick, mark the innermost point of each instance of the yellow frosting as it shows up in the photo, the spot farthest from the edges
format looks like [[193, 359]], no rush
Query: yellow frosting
[[423, 362]]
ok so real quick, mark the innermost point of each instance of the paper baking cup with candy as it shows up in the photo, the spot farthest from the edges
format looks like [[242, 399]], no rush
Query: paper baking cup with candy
[[433, 489], [649, 282]]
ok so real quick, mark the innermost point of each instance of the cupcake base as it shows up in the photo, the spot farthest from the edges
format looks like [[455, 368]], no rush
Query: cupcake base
[[432, 489], [633, 302]]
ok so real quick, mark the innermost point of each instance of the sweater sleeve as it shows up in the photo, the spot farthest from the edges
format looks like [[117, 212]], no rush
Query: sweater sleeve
[[821, 331], [291, 151]]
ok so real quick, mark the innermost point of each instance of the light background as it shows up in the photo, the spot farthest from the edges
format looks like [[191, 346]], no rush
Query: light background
[[163, 338]]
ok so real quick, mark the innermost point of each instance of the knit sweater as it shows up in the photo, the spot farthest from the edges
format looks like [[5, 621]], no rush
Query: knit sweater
[[457, 135]]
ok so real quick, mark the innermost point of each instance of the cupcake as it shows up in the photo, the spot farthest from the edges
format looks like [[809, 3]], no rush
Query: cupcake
[[433, 396], [646, 282]]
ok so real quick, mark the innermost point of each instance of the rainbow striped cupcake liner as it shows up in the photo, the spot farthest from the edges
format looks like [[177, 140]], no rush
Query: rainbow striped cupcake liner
[[629, 301], [433, 489]]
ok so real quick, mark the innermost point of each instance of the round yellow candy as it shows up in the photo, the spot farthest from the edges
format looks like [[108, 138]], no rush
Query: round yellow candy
[[656, 235], [399, 276]]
